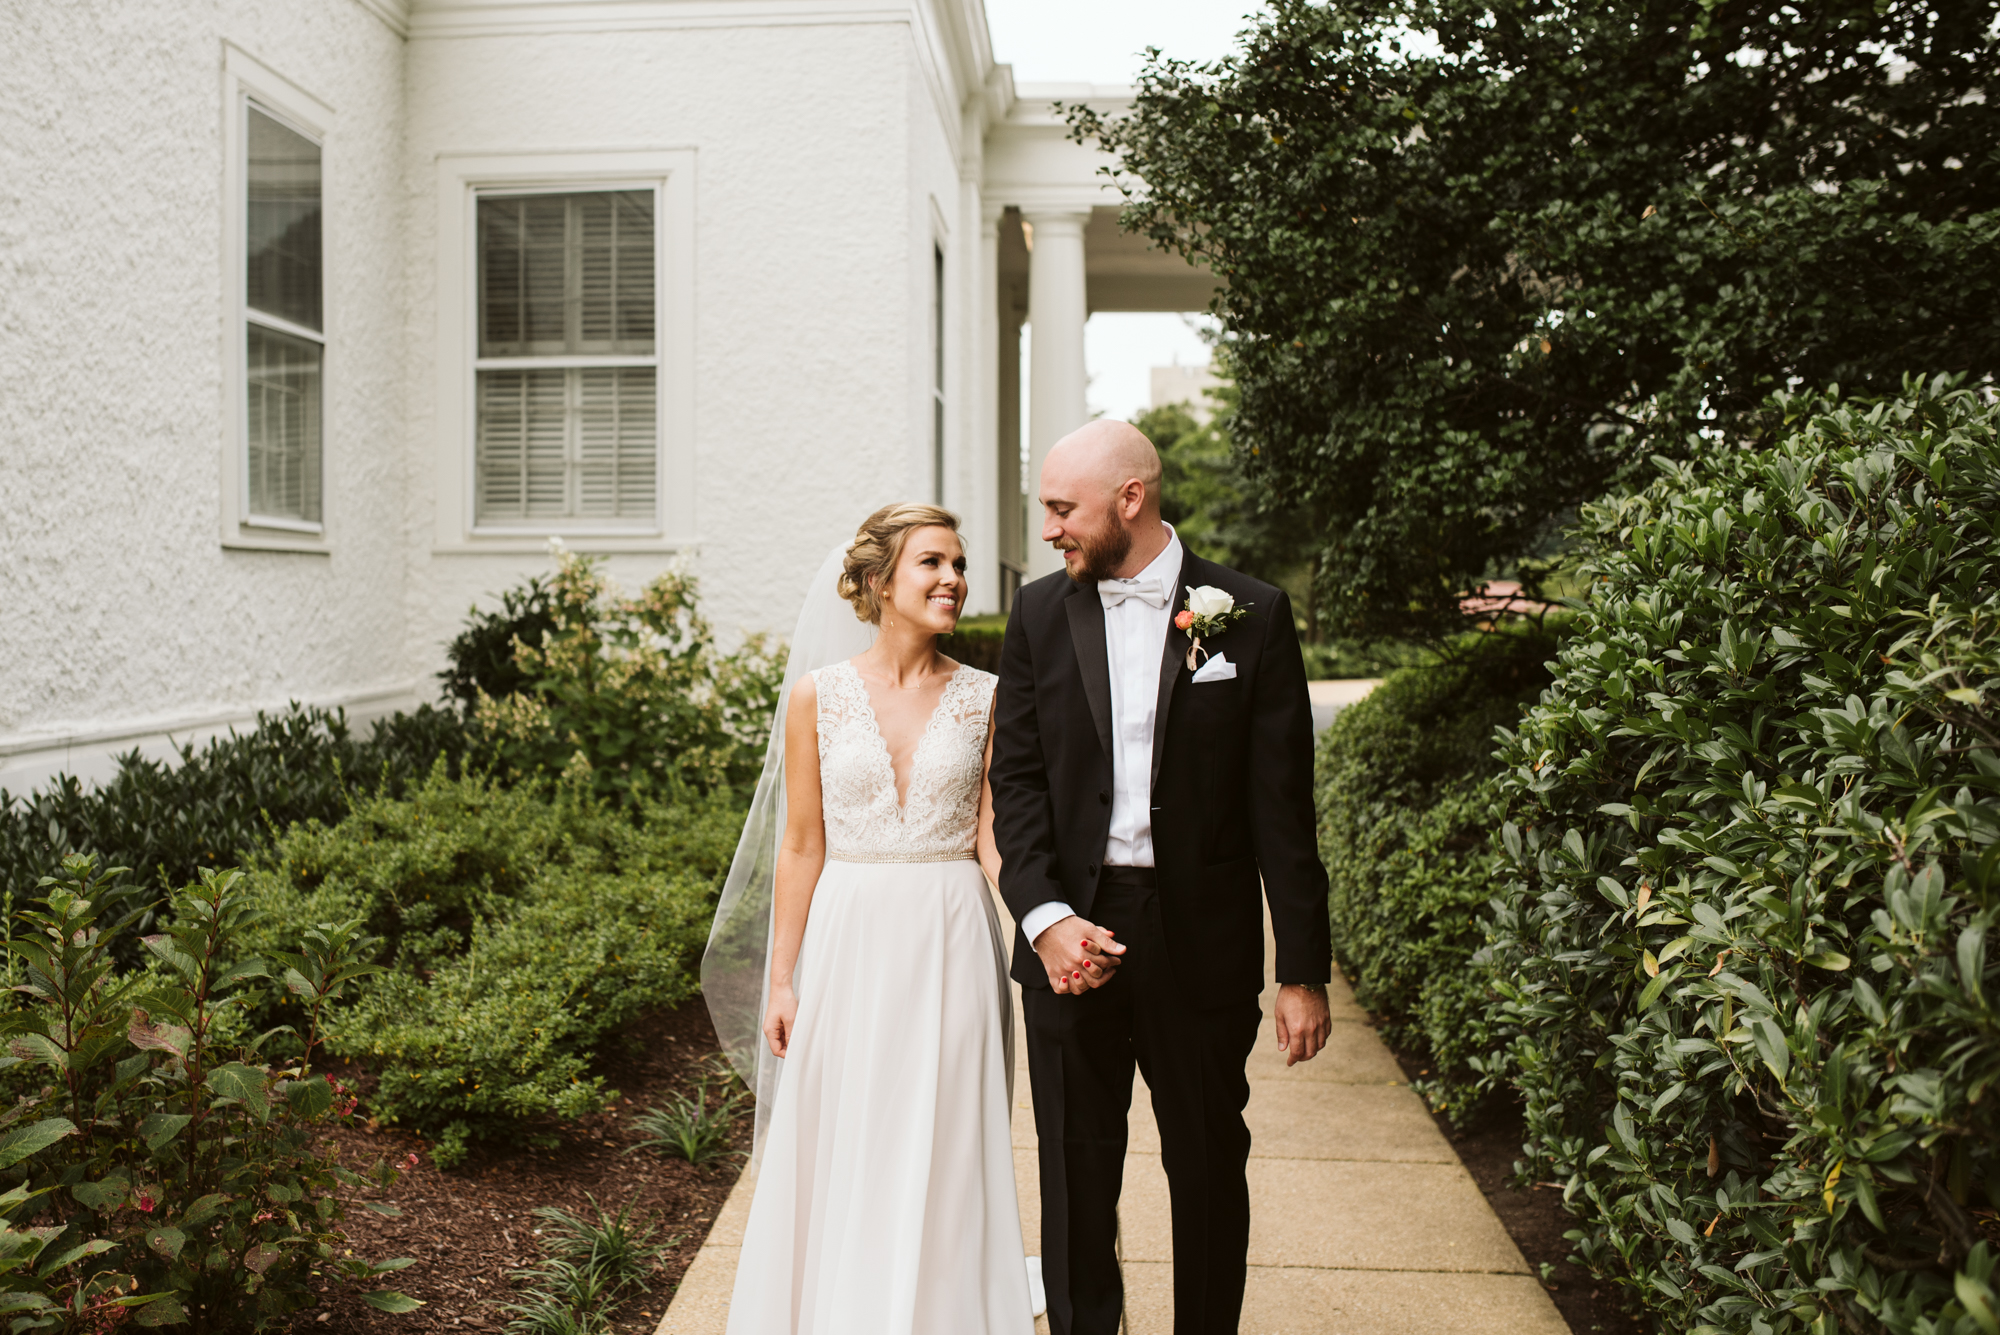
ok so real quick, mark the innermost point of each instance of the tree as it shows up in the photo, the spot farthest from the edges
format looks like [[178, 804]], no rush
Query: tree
[[1478, 278], [1221, 513]]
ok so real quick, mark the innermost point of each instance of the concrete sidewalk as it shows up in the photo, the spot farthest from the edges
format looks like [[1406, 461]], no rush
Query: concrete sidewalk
[[1363, 1220]]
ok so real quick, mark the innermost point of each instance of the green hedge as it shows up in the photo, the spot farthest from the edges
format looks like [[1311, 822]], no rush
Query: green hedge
[[976, 643], [518, 928], [167, 822], [1406, 808], [1753, 866]]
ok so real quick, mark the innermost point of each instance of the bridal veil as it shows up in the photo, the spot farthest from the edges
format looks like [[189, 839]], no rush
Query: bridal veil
[[735, 969]]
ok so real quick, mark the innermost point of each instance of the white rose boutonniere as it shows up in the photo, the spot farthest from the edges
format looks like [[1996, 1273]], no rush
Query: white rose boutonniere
[[1208, 612]]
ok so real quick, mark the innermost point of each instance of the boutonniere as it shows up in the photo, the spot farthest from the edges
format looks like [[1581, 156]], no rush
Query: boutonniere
[[1208, 612]]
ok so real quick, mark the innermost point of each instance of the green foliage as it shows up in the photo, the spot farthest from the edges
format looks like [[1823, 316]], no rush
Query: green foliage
[[1222, 513], [517, 927], [167, 1172], [482, 654], [633, 690], [696, 1126], [622, 1247], [1361, 658], [215, 804], [1474, 280], [1406, 808], [1754, 853], [975, 646], [589, 1267]]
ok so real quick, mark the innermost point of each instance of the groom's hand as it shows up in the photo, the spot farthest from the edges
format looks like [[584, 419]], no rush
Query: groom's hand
[[1304, 1023], [1077, 955]]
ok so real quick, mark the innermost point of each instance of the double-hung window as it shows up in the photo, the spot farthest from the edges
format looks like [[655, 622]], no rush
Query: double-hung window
[[566, 392], [284, 340]]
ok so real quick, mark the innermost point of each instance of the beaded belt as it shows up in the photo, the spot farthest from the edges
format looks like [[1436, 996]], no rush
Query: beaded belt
[[902, 857]]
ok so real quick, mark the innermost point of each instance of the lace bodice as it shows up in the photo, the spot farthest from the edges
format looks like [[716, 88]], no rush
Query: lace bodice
[[939, 819]]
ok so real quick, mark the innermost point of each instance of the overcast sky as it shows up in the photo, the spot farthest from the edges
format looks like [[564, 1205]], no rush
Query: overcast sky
[[1101, 41]]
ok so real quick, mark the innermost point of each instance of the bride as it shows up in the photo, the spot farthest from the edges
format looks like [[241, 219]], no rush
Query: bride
[[856, 939]]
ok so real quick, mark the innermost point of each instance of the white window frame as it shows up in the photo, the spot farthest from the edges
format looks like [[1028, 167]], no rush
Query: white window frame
[[462, 179], [246, 80]]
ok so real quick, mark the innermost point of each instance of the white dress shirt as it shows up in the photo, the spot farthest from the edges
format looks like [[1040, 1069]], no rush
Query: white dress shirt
[[1135, 637]]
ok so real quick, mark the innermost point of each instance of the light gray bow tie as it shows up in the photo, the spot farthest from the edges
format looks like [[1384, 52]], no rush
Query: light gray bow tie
[[1147, 591]]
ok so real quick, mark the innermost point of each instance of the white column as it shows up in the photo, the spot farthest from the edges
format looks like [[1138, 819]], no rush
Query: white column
[[1057, 308], [986, 509]]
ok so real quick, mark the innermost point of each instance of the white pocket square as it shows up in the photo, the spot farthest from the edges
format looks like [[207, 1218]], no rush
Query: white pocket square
[[1218, 668]]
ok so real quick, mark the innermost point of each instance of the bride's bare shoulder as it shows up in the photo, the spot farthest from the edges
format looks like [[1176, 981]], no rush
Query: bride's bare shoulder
[[803, 707]]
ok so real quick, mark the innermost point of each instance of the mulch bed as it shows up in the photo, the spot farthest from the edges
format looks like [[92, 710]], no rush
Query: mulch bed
[[1533, 1216], [470, 1227]]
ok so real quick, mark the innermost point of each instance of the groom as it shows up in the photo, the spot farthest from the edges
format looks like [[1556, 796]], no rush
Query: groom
[[1139, 804]]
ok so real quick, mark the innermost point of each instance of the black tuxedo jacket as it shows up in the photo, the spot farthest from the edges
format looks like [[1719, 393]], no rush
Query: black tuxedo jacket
[[1232, 783]]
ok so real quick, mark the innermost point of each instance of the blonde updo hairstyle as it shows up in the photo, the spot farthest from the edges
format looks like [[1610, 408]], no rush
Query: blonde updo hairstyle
[[877, 546]]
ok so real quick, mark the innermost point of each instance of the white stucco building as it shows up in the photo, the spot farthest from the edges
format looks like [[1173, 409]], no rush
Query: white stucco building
[[319, 317]]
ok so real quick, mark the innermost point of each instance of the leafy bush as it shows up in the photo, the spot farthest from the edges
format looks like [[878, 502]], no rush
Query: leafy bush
[[517, 927], [209, 809], [160, 1168], [1361, 658], [635, 688], [482, 655], [976, 643], [1755, 860], [1406, 809]]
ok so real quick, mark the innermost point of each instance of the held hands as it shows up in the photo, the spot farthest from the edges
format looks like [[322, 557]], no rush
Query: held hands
[[779, 1018], [1303, 1021], [1078, 955]]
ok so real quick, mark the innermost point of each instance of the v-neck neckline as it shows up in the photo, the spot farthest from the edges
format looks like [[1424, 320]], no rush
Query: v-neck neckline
[[882, 742]]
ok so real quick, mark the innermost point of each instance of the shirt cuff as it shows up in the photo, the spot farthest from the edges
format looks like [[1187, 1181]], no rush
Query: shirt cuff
[[1044, 916]]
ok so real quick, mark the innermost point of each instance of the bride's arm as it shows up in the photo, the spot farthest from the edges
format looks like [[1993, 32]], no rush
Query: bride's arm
[[801, 855], [989, 851]]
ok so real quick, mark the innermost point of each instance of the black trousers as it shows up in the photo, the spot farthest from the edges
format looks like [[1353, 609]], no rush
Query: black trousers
[[1081, 1052]]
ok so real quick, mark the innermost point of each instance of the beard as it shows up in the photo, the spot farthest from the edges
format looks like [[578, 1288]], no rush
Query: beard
[[1102, 553]]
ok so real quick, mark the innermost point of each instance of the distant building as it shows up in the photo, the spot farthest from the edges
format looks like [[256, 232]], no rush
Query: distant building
[[1187, 386]]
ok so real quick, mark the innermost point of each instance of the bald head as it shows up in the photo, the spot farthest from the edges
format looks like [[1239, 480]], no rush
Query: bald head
[[1104, 456], [1100, 493]]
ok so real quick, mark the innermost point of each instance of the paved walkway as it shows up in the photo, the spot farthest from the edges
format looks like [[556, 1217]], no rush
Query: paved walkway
[[1363, 1221]]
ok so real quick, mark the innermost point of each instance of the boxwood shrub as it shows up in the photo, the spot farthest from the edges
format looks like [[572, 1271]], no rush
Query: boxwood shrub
[[214, 803], [1753, 860], [518, 927], [1406, 804]]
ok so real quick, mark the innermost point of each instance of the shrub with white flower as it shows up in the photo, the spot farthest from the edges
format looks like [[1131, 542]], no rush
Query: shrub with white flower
[[633, 689]]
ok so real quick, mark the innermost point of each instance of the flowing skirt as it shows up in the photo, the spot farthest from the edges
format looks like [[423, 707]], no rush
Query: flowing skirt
[[885, 1199]]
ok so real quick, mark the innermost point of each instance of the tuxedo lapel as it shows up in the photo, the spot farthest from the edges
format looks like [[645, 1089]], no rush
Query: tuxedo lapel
[[1173, 660], [1093, 660]]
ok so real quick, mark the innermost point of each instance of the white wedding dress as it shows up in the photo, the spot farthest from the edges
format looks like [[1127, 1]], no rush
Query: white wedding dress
[[885, 1199]]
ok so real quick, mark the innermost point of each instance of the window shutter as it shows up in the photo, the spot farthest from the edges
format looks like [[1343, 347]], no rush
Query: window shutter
[[282, 282], [282, 226], [523, 459], [566, 276], [282, 381], [617, 446]]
